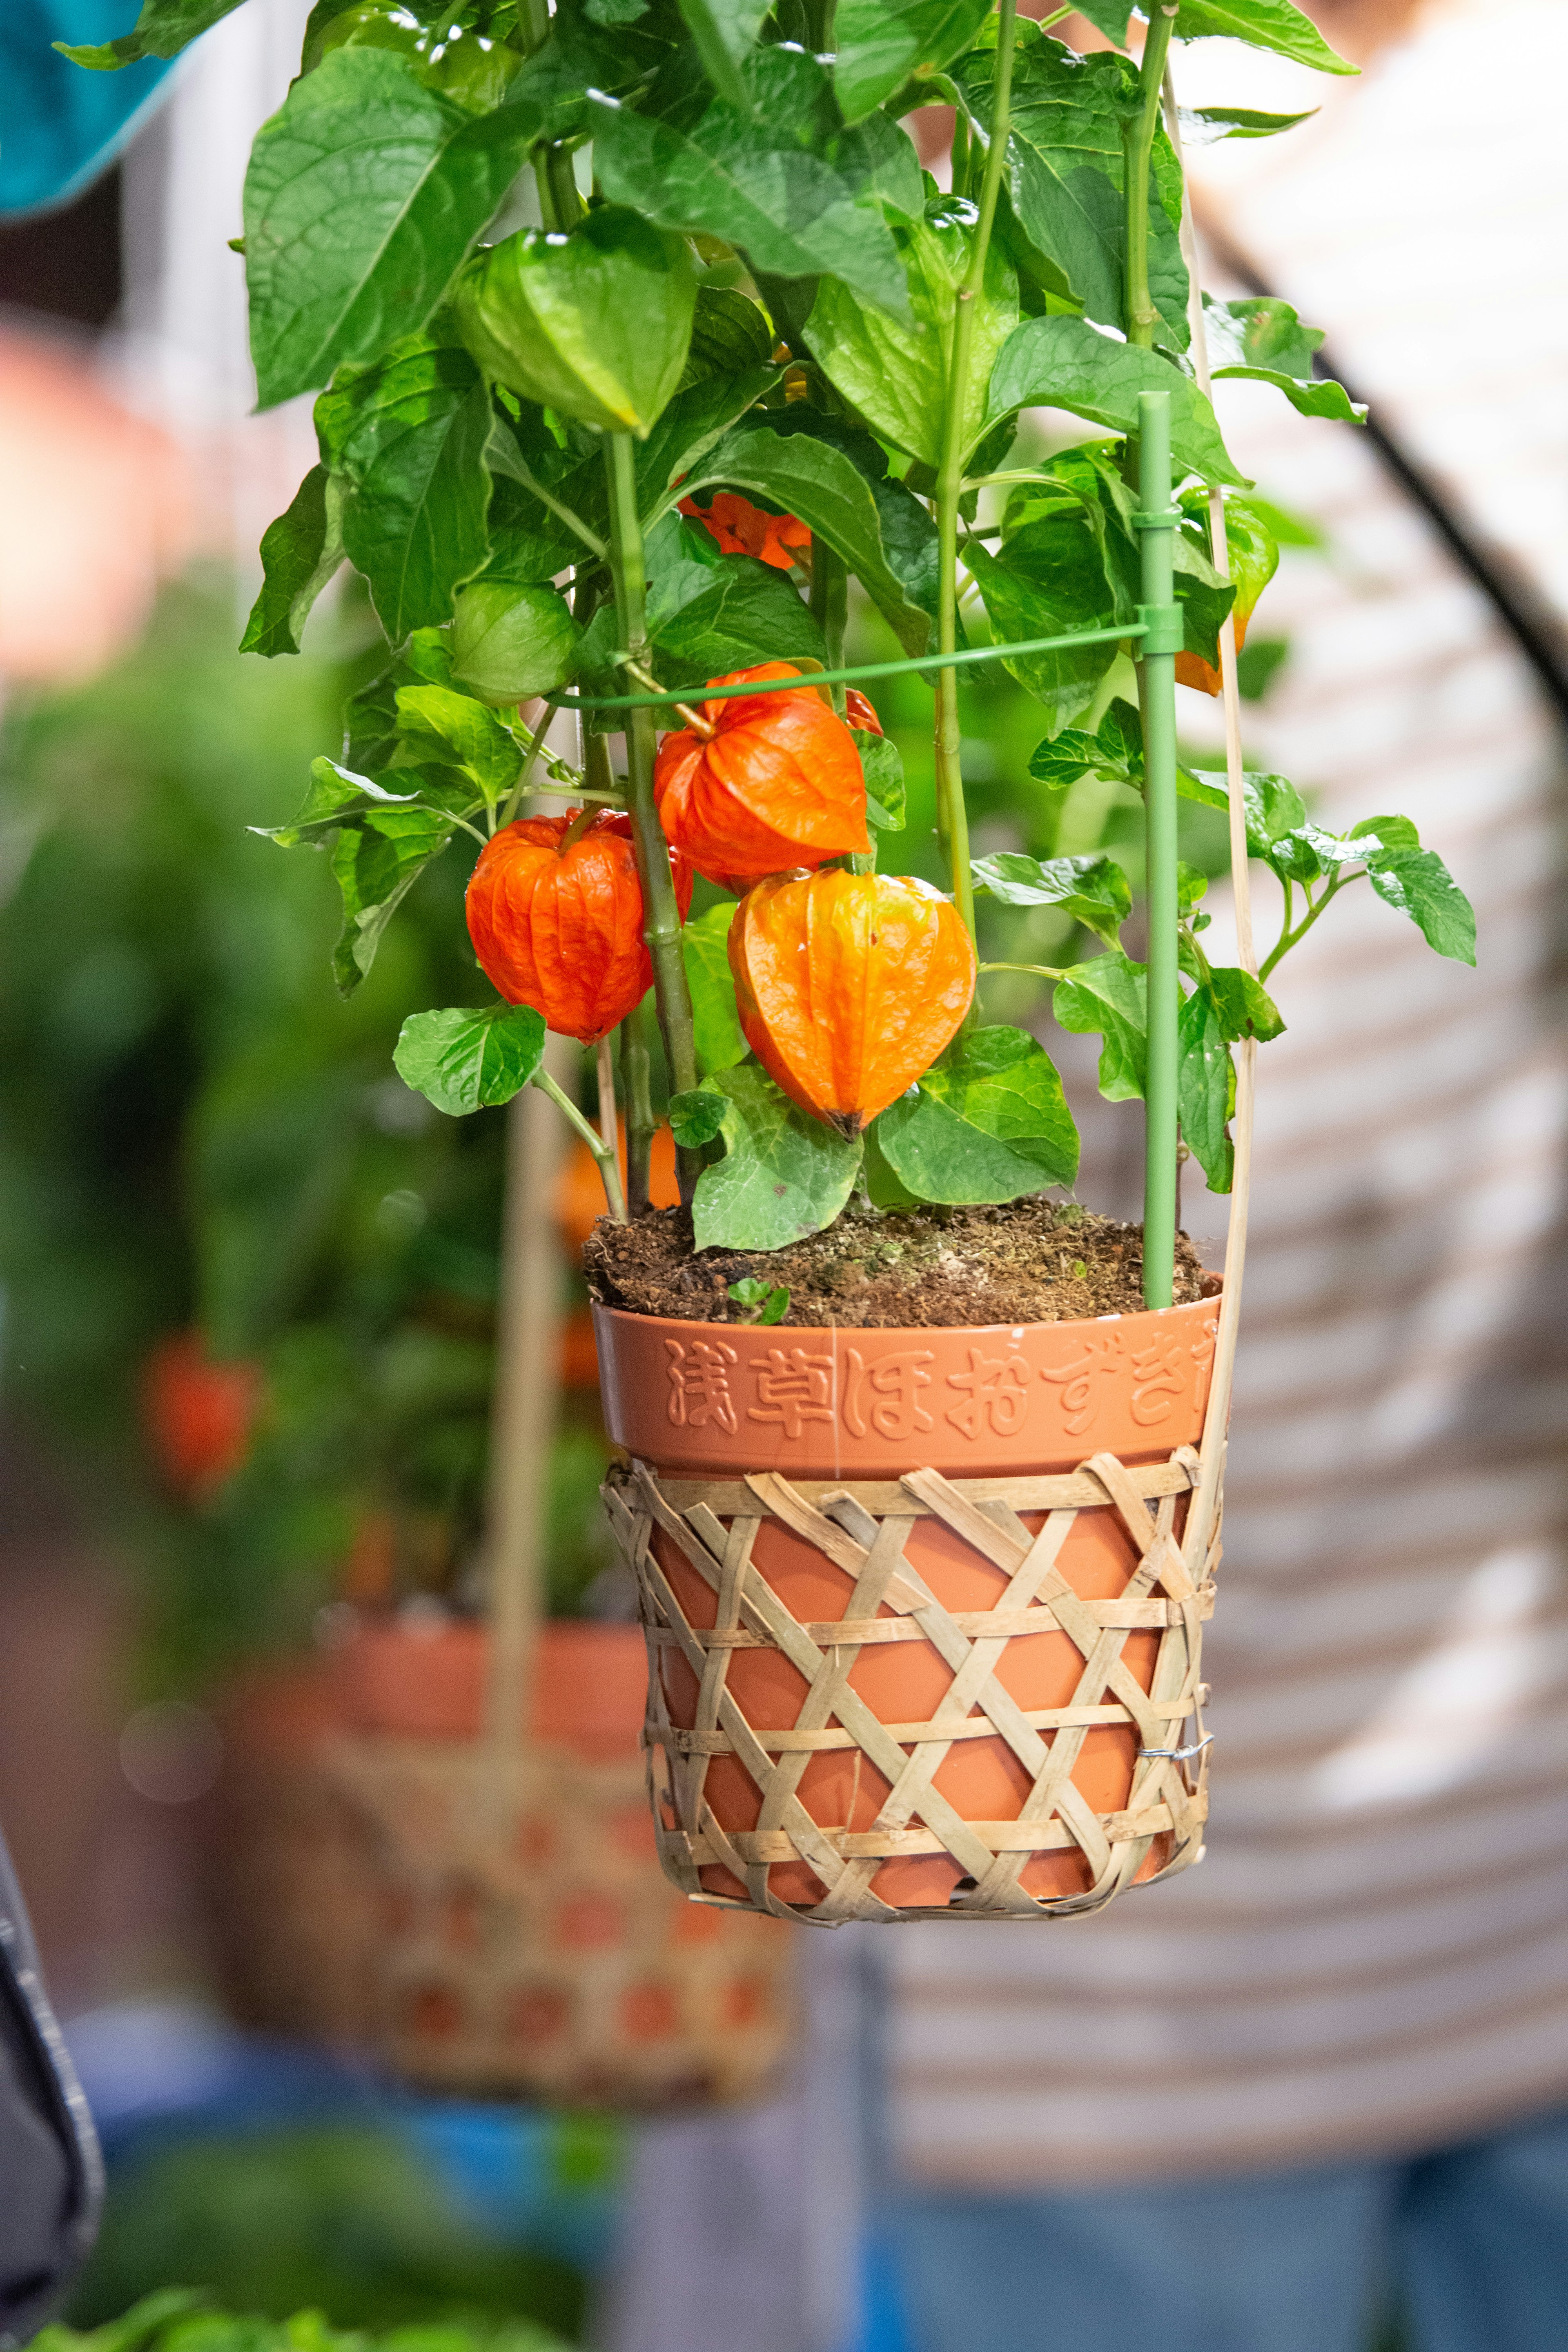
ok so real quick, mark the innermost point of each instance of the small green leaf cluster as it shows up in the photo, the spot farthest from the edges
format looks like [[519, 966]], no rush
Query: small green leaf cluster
[[743, 283]]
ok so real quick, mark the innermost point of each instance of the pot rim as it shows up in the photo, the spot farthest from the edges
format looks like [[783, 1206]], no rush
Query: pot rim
[[906, 1330]]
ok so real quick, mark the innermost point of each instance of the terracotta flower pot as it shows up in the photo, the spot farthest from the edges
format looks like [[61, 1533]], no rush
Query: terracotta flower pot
[[795, 1443], [377, 1876]]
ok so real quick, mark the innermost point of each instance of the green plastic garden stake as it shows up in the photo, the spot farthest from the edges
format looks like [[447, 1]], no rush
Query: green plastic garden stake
[[1156, 522]]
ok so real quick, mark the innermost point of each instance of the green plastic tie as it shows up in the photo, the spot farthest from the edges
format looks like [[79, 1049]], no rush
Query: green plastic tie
[[1115, 631]]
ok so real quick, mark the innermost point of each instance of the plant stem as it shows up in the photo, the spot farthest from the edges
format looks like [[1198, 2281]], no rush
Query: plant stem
[[1138, 147], [662, 925], [1035, 971], [558, 204], [1288, 938], [953, 819], [609, 1168], [509, 809], [830, 606], [635, 1088]]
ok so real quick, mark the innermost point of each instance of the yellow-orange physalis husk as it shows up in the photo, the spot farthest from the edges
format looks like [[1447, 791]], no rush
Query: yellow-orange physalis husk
[[849, 985]]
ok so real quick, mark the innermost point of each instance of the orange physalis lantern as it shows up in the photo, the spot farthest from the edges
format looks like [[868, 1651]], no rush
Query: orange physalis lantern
[[742, 528], [561, 928], [769, 781], [849, 985], [861, 711]]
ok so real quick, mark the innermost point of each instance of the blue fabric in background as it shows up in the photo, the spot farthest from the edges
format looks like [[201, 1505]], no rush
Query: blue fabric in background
[[61, 125]]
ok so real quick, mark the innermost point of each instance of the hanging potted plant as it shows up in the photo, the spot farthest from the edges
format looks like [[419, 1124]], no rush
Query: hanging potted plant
[[921, 1471]]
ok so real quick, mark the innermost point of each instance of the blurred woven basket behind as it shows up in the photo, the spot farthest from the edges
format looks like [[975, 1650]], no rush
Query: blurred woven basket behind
[[474, 1926]]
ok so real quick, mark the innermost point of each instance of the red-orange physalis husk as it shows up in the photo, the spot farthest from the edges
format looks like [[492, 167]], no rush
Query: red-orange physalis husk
[[563, 930], [742, 528], [775, 783], [861, 711], [849, 985]]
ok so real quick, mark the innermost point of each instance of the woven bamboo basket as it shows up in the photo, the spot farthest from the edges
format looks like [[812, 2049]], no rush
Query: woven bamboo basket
[[967, 1688]]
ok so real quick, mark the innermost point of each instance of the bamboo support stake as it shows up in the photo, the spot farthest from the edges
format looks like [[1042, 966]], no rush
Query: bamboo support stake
[[1217, 1418], [605, 1068], [527, 1389]]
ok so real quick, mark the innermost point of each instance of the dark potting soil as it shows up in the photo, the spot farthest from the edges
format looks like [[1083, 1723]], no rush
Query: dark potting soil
[[1033, 1261]]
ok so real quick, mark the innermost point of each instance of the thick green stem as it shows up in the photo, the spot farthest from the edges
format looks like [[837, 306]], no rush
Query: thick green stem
[[1138, 146], [830, 606], [638, 1092], [560, 206], [953, 819], [608, 1168], [662, 924], [557, 185], [1156, 691]]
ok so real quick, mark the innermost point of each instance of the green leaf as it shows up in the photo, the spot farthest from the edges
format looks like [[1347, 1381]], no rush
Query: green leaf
[[161, 30], [376, 862], [410, 435], [989, 1123], [788, 210], [817, 482], [696, 1118], [908, 535], [709, 614], [1109, 17], [596, 324], [882, 765], [1092, 889], [1066, 363], [336, 796], [880, 42], [1204, 126], [894, 376], [1267, 24], [784, 1175], [694, 420], [510, 642], [300, 553], [436, 723], [1261, 337], [883, 1188], [731, 336], [472, 1057], [364, 193], [1058, 760], [1274, 807], [715, 1024], [1389, 832], [1419, 885], [1055, 585], [1204, 1089], [770, 1300], [725, 32], [1106, 997], [1242, 1005], [1066, 173]]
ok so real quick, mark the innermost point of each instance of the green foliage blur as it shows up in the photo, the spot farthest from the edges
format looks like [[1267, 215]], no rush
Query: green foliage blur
[[196, 1131], [345, 2218]]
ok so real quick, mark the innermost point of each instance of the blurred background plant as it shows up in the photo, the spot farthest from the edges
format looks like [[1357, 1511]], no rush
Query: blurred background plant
[[251, 1279]]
